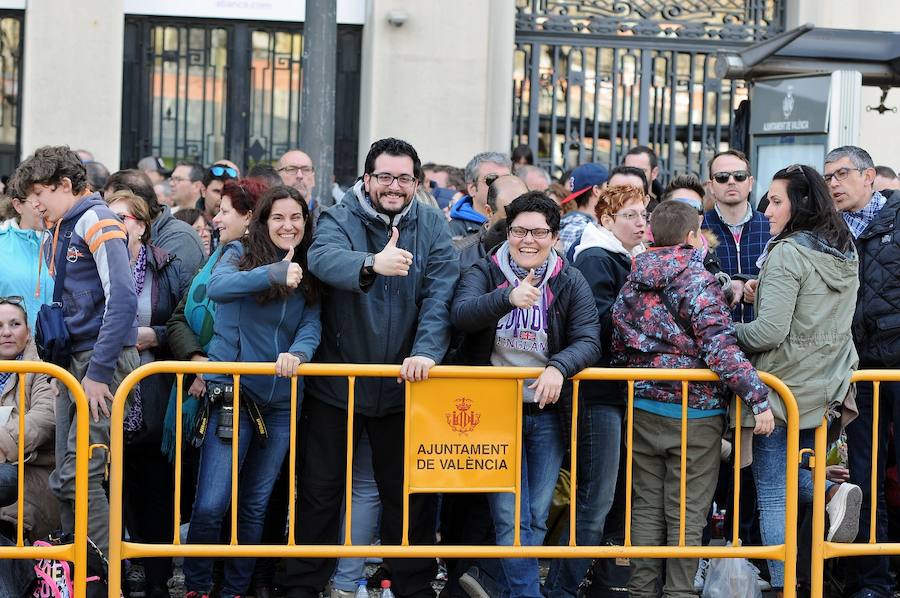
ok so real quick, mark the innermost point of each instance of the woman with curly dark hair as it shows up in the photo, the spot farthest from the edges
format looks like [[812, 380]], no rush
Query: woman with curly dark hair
[[267, 310]]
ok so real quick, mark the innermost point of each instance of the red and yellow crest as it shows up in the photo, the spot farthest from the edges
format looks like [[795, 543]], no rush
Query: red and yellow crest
[[463, 419]]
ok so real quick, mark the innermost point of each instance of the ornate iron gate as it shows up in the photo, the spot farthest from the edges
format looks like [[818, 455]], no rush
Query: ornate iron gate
[[592, 78], [12, 35], [205, 90]]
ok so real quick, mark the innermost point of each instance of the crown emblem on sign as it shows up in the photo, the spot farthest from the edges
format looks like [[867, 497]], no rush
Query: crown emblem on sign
[[463, 419]]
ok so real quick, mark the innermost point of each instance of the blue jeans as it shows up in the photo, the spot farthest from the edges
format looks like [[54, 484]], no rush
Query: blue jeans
[[770, 475], [259, 467], [870, 572], [542, 453], [9, 483], [366, 515], [599, 442]]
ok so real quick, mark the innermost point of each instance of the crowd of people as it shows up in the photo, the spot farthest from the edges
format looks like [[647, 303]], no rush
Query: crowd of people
[[420, 264]]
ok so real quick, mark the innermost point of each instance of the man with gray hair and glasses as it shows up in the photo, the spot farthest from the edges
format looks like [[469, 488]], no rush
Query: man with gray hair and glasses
[[470, 213], [874, 222]]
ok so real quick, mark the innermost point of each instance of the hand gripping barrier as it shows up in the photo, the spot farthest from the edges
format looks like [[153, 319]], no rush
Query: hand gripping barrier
[[76, 552], [822, 550], [458, 406]]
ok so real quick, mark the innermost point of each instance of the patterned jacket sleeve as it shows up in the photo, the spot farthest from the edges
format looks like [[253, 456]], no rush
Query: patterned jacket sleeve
[[714, 332]]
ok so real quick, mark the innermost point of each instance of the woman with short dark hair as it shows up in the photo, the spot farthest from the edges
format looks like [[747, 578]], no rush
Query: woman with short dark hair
[[523, 305]]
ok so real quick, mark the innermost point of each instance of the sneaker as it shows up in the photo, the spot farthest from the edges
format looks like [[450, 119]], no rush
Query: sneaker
[[843, 513], [700, 576], [469, 582]]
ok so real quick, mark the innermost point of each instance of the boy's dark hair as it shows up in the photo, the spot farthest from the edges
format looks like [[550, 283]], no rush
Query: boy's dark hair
[[137, 182], [196, 170], [49, 165], [393, 147], [631, 171], [534, 201], [683, 181], [736, 153], [671, 221], [643, 149]]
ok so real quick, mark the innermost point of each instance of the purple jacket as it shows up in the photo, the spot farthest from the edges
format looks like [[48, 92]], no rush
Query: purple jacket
[[693, 331]]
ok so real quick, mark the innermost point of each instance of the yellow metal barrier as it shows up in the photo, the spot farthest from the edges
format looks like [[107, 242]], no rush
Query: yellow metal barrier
[[76, 552], [423, 480], [822, 550]]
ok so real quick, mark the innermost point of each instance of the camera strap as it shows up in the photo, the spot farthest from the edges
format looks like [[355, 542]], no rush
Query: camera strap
[[259, 424]]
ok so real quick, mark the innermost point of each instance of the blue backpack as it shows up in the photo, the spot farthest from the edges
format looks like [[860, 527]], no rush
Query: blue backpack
[[51, 335]]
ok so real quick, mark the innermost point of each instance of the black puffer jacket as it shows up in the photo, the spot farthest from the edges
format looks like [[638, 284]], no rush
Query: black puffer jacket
[[876, 323], [573, 329]]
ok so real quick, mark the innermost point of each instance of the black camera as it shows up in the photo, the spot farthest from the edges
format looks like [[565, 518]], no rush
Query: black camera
[[225, 428]]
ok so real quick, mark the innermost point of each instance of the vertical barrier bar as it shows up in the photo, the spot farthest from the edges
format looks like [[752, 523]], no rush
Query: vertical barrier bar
[[83, 431], [736, 452], [176, 532], [682, 506], [292, 464], [817, 564], [404, 538], [235, 427], [517, 519], [792, 487], [629, 454], [20, 467], [348, 485], [873, 474], [573, 483]]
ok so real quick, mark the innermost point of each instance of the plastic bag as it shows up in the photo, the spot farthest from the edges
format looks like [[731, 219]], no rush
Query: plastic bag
[[731, 578]]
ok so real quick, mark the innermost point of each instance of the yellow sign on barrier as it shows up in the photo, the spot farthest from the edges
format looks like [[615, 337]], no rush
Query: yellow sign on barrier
[[463, 435]]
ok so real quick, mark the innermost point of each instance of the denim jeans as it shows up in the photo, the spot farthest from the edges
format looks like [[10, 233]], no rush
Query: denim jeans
[[9, 483], [366, 515], [259, 466], [542, 453], [770, 475], [870, 572], [599, 439]]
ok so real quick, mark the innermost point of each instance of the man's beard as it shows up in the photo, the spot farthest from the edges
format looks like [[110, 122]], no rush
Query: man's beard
[[381, 208]]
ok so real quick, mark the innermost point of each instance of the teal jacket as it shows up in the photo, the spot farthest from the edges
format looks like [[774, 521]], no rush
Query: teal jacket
[[21, 251]]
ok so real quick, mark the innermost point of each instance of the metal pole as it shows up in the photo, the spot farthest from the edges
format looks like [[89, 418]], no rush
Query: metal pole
[[317, 93]]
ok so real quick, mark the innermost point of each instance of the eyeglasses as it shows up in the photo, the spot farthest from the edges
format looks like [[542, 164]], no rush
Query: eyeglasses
[[387, 179], [520, 232], [220, 170], [739, 176], [123, 217], [630, 215], [490, 178], [305, 170], [841, 174]]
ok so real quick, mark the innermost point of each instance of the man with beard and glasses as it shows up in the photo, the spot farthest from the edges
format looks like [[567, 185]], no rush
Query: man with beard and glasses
[[389, 271]]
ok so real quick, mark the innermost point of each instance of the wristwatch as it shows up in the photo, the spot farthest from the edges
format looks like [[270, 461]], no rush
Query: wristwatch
[[369, 265]]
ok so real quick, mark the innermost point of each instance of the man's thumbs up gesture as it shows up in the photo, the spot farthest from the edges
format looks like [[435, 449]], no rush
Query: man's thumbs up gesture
[[526, 294], [392, 260], [294, 271]]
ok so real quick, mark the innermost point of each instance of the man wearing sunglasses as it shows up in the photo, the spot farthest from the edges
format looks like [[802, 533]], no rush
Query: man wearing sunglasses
[[742, 231], [874, 222], [470, 214]]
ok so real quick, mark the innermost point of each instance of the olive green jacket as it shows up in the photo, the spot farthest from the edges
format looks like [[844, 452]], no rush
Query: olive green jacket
[[801, 334]]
